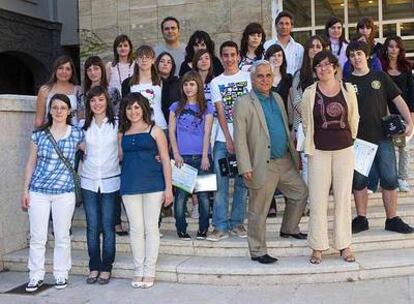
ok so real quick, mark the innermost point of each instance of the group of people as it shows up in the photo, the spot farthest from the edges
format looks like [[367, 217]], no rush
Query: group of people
[[288, 113]]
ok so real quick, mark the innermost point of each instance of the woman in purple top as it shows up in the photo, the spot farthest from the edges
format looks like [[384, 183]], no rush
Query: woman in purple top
[[190, 124]]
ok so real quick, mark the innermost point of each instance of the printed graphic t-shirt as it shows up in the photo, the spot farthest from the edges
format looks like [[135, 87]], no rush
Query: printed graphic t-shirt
[[226, 89], [153, 94], [190, 128], [373, 90]]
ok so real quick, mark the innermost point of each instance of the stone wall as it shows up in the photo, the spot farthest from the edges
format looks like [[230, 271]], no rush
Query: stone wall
[[16, 124], [100, 21]]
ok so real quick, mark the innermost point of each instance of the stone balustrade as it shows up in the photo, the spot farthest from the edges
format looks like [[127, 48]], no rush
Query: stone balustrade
[[16, 123]]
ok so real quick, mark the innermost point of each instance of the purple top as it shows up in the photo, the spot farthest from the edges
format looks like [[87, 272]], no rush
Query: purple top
[[190, 128]]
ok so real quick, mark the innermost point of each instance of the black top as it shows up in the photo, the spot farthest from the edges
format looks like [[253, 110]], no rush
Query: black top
[[170, 93], [217, 67], [406, 84], [373, 91], [283, 88], [330, 115]]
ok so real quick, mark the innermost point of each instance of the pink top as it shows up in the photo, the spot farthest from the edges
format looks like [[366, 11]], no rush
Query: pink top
[[119, 73]]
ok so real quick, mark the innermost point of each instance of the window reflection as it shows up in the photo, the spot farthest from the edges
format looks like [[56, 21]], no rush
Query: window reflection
[[301, 10], [359, 9], [326, 9], [397, 9]]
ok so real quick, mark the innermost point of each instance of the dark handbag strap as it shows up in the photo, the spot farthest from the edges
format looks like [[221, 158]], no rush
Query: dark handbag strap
[[59, 152]]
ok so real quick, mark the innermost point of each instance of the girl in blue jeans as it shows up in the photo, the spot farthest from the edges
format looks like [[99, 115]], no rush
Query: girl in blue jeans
[[100, 182], [190, 124]]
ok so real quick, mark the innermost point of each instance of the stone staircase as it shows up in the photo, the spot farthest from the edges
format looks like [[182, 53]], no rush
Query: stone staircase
[[379, 253]]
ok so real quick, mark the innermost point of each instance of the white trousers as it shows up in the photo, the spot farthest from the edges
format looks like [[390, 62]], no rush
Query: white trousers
[[62, 206], [143, 211]]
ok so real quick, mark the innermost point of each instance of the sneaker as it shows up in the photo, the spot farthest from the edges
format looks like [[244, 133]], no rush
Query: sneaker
[[61, 283], [194, 212], [240, 231], [396, 224], [359, 224], [201, 235], [33, 285], [184, 236], [403, 185], [217, 235]]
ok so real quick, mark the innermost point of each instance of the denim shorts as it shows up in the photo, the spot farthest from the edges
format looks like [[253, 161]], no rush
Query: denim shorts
[[384, 169]]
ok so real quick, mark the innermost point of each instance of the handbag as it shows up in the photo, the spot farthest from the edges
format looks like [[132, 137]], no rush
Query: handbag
[[75, 175]]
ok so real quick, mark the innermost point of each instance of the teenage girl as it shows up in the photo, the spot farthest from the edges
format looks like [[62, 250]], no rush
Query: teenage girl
[[190, 125], [147, 82]]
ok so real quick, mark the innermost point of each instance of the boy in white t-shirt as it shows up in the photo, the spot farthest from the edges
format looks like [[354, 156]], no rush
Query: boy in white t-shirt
[[225, 89]]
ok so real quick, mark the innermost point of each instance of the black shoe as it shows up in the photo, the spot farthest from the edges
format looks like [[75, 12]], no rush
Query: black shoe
[[359, 224], [396, 224], [184, 236], [201, 235], [264, 259], [298, 236]]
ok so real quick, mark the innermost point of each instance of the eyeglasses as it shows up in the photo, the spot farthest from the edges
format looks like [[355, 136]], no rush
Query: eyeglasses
[[145, 57], [323, 65], [57, 109]]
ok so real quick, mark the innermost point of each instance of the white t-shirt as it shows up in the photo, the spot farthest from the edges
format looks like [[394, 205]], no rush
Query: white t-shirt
[[226, 89], [153, 94]]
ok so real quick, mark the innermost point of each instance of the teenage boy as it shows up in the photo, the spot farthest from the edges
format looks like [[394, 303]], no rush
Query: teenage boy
[[373, 89], [225, 89], [293, 50], [170, 29]]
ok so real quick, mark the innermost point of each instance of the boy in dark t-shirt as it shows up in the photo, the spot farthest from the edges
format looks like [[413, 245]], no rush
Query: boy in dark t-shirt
[[373, 89]]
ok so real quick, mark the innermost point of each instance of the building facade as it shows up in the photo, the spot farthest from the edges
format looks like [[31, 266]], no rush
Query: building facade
[[102, 20]]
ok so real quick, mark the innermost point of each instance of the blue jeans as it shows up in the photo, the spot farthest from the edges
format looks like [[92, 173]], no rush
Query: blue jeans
[[181, 197], [221, 204], [384, 170], [100, 217]]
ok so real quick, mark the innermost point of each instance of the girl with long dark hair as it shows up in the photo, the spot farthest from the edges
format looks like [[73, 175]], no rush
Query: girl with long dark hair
[[200, 40], [251, 45], [62, 80], [396, 65]]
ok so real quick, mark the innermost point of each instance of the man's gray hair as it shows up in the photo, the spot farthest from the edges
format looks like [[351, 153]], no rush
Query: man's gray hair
[[258, 63]]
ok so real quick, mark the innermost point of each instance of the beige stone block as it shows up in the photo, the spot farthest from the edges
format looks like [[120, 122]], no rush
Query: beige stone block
[[144, 26], [104, 14], [85, 22], [243, 12], [136, 4], [211, 17], [267, 17], [85, 7]]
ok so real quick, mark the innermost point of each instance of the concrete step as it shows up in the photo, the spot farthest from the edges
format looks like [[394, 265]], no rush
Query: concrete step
[[242, 271], [376, 216], [373, 239]]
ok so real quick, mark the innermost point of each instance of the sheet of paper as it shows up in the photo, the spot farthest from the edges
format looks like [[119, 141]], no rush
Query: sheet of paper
[[184, 177], [364, 155], [206, 182]]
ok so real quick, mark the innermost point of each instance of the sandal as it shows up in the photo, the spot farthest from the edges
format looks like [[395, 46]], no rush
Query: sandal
[[347, 255], [120, 231], [93, 277], [136, 282], [148, 282], [316, 257], [104, 277]]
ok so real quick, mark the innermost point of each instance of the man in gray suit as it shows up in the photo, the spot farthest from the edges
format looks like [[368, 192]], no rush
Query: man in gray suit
[[267, 159]]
